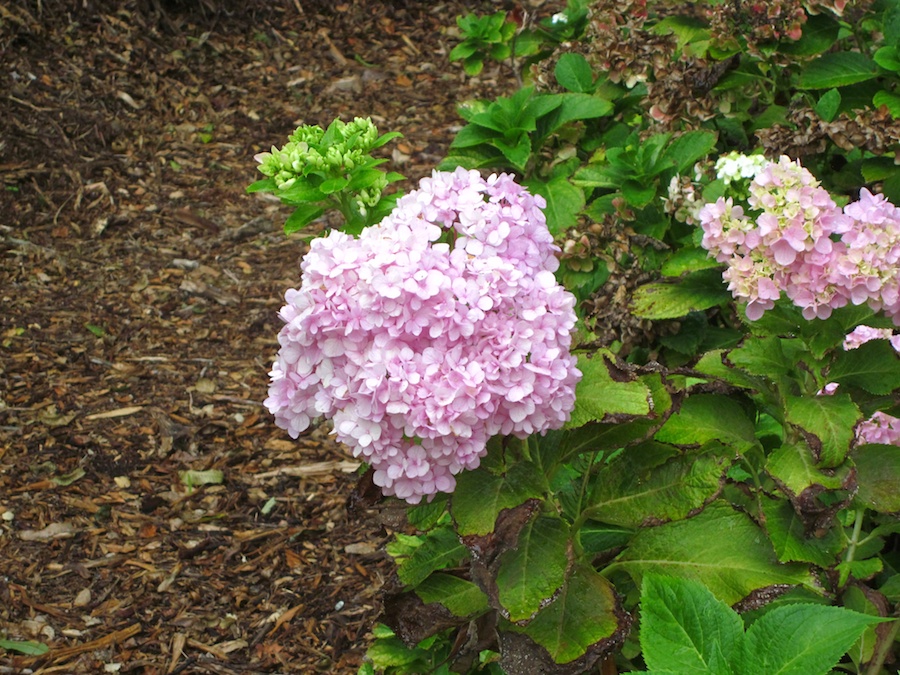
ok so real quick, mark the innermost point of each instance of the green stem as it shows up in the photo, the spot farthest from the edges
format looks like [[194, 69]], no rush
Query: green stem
[[854, 538], [884, 647]]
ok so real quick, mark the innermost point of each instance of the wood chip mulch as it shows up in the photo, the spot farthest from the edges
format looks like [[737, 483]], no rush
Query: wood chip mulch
[[139, 290]]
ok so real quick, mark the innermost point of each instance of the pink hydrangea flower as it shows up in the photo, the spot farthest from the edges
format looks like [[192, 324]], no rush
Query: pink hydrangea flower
[[801, 243], [863, 334], [432, 331], [880, 428]]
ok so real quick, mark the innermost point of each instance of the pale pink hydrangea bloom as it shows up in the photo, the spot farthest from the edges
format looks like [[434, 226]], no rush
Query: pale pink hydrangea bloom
[[869, 269], [863, 334], [420, 350], [880, 428], [792, 245]]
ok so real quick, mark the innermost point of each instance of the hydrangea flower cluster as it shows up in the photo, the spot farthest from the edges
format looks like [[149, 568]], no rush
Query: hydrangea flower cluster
[[736, 166], [333, 152], [432, 331], [880, 428], [801, 243]]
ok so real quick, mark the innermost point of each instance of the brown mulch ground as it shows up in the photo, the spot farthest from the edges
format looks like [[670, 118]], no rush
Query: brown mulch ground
[[139, 288]]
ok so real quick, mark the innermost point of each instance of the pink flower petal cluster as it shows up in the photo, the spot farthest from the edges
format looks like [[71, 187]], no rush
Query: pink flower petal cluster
[[429, 333], [869, 269], [863, 334], [801, 243], [880, 428]]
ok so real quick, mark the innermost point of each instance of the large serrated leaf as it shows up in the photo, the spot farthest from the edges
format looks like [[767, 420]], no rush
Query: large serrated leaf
[[303, 215], [533, 571], [574, 73], [712, 364], [720, 547], [460, 596], [598, 394], [480, 496], [686, 629], [441, 549], [829, 419], [647, 484], [878, 474], [801, 639], [763, 356], [564, 202], [686, 149], [671, 300], [709, 417], [787, 532], [794, 468], [838, 69], [873, 367], [583, 613]]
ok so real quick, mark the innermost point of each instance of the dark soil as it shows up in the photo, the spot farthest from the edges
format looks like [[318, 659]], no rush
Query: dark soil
[[140, 287]]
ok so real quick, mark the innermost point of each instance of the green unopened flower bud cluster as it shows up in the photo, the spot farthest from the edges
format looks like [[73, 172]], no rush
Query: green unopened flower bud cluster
[[310, 149]]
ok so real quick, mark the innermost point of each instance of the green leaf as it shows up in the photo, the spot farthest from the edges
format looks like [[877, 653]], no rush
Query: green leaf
[[385, 138], [461, 597], [788, 535], [364, 178], [672, 300], [333, 185], [598, 394], [686, 629], [516, 153], [596, 537], [425, 515], [819, 34], [889, 100], [638, 194], [580, 107], [855, 599], [574, 73], [720, 547], [95, 329], [794, 468], [300, 192], [828, 419], [828, 105], [838, 69], [302, 216], [687, 260], [709, 417], [473, 65], [24, 647], [263, 185], [888, 58], [472, 135], [564, 202], [801, 639], [763, 356], [873, 367], [388, 652], [878, 474], [712, 364], [690, 147], [534, 570], [646, 485], [441, 549], [583, 613], [480, 496]]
